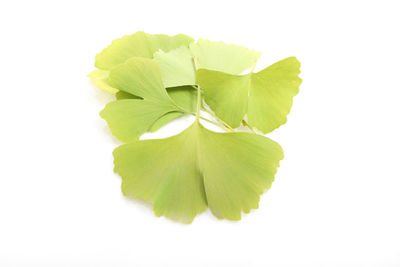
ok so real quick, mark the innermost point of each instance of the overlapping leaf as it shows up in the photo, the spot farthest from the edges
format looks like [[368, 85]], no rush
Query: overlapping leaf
[[139, 44], [184, 174], [177, 67], [266, 96], [99, 78], [183, 96], [129, 118]]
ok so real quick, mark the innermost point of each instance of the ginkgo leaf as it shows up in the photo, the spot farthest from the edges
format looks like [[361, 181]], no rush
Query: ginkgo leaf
[[183, 174], [99, 78], [184, 96], [158, 78], [124, 95], [139, 44], [266, 96], [129, 118], [165, 119], [228, 58], [177, 67]]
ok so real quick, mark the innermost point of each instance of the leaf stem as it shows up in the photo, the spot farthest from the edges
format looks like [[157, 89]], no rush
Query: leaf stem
[[252, 68], [198, 91], [198, 103], [248, 126], [217, 124], [226, 126]]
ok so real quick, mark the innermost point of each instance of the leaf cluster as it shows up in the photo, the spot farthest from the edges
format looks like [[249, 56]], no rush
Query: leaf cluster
[[158, 78]]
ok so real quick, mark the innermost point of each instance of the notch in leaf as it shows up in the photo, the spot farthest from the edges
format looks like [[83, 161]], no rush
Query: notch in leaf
[[139, 44], [266, 96], [130, 118], [177, 66], [183, 174]]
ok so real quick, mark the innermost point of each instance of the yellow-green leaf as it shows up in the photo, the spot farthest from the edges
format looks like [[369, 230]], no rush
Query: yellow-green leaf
[[228, 58], [99, 78], [139, 44], [266, 96], [184, 174], [184, 96], [129, 118], [177, 67]]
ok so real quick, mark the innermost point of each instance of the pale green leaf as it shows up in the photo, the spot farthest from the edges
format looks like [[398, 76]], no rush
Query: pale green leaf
[[266, 97], [184, 174], [140, 77], [124, 95], [177, 66], [139, 44], [228, 58], [99, 78], [184, 96], [165, 119], [129, 118]]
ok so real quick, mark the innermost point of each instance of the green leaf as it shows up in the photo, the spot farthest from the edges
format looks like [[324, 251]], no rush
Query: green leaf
[[184, 174], [228, 58], [165, 119], [129, 118], [177, 66], [139, 44], [266, 97], [140, 77], [99, 78], [184, 96], [124, 95]]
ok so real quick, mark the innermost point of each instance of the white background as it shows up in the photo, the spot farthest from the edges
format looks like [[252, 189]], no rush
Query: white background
[[336, 198]]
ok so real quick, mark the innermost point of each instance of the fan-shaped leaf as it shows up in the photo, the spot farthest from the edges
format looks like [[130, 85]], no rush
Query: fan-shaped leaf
[[184, 96], [183, 174], [266, 96], [139, 44], [228, 58], [129, 118], [177, 66]]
